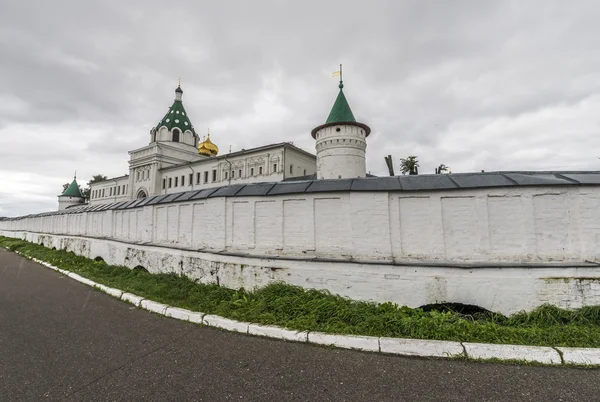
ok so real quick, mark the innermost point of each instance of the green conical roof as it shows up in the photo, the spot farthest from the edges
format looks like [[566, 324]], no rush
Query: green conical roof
[[341, 112], [73, 190], [176, 116]]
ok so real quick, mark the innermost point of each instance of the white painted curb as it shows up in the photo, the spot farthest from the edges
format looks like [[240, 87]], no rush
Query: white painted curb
[[368, 343], [81, 279], [272, 331], [225, 323], [587, 356], [153, 306], [397, 346], [131, 298], [540, 354], [421, 347], [111, 291]]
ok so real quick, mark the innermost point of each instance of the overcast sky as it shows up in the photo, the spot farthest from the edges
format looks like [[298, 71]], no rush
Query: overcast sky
[[493, 85]]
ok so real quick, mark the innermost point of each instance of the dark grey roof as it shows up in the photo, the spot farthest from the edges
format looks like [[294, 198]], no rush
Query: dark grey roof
[[443, 182], [312, 177]]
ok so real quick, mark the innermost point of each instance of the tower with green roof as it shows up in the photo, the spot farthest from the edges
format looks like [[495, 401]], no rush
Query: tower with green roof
[[175, 127], [71, 196], [173, 141], [341, 142]]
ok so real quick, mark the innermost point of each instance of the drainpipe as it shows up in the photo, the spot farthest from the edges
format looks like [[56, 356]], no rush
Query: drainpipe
[[228, 174], [192, 169], [283, 161], [115, 192], [268, 164]]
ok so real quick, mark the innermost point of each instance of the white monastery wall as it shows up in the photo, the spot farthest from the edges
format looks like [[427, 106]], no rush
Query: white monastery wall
[[504, 249], [527, 224]]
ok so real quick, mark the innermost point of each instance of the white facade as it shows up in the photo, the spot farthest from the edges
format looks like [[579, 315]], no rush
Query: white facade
[[153, 171], [110, 191]]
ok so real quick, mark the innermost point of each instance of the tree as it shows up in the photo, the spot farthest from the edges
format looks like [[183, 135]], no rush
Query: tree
[[441, 168], [97, 178], [409, 165], [65, 186]]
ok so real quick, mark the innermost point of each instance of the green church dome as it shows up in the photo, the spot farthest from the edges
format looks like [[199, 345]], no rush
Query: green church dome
[[176, 116]]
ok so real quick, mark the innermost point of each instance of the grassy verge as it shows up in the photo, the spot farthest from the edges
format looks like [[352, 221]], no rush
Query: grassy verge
[[300, 309]]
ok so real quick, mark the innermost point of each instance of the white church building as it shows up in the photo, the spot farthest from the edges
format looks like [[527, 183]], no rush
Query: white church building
[[175, 160]]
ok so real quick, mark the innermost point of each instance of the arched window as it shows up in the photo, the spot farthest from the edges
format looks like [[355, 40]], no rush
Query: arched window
[[175, 135], [141, 194]]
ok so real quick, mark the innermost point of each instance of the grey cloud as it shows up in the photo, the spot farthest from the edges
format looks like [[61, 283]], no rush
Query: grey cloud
[[472, 84]]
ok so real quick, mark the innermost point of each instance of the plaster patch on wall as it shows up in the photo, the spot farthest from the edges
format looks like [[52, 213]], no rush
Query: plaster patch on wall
[[590, 223], [133, 230], [459, 220], [505, 217], [139, 228], [298, 232], [160, 234], [172, 223], [269, 225], [200, 234], [186, 220], [243, 224], [415, 226], [437, 290], [551, 224], [331, 229]]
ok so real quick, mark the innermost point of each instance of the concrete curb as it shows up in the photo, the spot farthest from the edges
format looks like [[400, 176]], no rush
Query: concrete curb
[[421, 347], [539, 354], [367, 343], [131, 298], [396, 346], [584, 356]]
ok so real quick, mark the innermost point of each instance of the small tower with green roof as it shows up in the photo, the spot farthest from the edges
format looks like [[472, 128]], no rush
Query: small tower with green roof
[[71, 196], [341, 142]]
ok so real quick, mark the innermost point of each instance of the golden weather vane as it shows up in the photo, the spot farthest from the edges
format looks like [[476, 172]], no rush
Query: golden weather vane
[[338, 74]]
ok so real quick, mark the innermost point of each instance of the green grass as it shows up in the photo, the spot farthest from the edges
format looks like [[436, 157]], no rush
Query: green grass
[[300, 309]]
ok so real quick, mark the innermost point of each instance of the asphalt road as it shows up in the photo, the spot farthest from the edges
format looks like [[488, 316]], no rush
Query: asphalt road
[[61, 340]]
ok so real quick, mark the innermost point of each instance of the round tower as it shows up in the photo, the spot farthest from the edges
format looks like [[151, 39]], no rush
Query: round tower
[[71, 196], [341, 142]]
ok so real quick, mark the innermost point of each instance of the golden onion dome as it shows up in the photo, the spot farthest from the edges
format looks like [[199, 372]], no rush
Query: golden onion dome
[[206, 147]]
